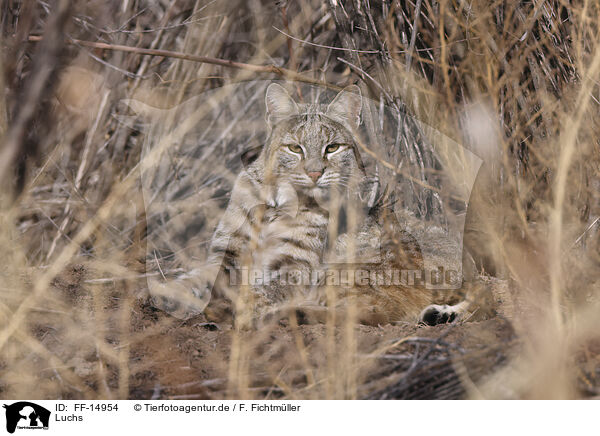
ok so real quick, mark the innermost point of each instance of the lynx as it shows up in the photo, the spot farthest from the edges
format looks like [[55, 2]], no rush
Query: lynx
[[295, 226]]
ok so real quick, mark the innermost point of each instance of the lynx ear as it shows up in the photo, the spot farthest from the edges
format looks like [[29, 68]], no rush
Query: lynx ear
[[279, 104], [345, 107]]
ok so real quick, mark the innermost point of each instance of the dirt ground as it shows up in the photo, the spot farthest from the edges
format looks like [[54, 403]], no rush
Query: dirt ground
[[190, 359], [106, 342]]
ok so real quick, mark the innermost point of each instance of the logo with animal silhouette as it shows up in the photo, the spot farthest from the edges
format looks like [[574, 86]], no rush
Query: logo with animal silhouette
[[26, 415]]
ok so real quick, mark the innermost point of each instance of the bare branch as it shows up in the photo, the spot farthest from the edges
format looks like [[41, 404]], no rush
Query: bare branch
[[265, 69]]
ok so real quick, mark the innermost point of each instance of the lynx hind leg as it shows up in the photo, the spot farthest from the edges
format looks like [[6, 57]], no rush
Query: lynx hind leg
[[435, 314], [179, 298]]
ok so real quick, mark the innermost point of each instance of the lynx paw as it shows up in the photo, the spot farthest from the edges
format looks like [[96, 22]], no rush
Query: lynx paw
[[442, 313]]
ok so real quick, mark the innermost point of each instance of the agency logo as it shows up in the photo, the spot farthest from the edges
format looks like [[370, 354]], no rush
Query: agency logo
[[26, 415]]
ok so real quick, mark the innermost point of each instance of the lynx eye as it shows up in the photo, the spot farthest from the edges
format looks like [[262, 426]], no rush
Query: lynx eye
[[333, 147], [294, 148]]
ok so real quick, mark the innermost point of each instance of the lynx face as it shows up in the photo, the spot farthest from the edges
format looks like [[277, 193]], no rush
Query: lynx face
[[312, 147]]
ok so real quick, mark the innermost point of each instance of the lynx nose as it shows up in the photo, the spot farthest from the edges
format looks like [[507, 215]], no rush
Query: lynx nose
[[314, 175]]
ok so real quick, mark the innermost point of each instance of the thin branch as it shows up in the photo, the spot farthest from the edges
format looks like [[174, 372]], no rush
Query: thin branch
[[265, 69], [314, 44], [413, 36]]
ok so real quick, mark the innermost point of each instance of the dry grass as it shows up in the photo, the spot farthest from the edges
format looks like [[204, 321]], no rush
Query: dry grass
[[117, 165]]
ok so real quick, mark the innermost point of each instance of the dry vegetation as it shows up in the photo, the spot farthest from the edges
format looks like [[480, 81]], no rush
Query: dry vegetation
[[90, 213]]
